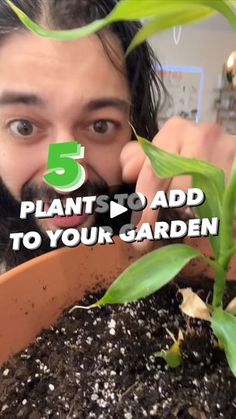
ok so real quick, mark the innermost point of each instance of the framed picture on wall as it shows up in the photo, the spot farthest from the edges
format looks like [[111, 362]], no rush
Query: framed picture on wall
[[185, 88]]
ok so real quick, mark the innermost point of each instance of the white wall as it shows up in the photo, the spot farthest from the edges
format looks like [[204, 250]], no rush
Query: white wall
[[199, 47]]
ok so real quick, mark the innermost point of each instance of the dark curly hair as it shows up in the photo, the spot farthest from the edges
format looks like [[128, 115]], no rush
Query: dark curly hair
[[145, 86]]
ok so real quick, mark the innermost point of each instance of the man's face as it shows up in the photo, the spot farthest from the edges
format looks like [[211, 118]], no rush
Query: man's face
[[53, 92]]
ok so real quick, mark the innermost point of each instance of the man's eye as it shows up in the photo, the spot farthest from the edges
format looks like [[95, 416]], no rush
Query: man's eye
[[102, 127], [22, 128]]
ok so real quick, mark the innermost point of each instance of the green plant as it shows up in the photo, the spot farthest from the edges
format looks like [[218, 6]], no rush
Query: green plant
[[221, 199], [158, 268], [159, 15]]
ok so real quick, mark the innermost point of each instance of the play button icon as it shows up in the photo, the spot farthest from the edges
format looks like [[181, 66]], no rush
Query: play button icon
[[116, 209]]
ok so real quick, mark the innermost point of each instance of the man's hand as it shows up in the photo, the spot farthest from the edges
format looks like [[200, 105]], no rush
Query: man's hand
[[205, 142]]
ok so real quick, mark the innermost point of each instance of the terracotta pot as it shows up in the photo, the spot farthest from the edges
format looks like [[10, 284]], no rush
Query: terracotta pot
[[33, 295]]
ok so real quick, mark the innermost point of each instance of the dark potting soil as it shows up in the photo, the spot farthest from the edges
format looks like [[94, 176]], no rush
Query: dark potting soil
[[101, 364]]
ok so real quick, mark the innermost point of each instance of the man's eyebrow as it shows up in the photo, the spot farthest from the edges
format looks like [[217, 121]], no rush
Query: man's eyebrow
[[101, 103], [19, 98]]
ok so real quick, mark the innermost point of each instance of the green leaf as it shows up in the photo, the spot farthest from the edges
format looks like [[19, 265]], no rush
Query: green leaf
[[227, 220], [143, 9], [205, 176], [175, 165], [227, 246], [211, 206], [140, 9], [162, 23], [128, 10], [172, 356], [224, 327], [149, 274], [59, 35]]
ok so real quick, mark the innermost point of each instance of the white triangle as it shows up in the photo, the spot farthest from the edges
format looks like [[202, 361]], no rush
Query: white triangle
[[116, 209]]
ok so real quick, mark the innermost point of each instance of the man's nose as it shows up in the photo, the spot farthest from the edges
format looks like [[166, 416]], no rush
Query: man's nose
[[67, 136], [58, 151]]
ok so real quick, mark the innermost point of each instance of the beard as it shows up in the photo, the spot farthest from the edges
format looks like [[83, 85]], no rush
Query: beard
[[11, 223]]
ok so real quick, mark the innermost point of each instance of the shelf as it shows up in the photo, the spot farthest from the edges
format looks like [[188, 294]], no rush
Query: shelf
[[226, 89], [226, 110], [162, 118], [229, 118]]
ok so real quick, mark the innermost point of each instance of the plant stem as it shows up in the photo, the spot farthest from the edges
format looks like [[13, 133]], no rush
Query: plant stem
[[227, 246], [219, 288]]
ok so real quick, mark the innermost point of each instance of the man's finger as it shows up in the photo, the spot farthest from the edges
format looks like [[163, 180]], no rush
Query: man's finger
[[132, 158], [148, 184]]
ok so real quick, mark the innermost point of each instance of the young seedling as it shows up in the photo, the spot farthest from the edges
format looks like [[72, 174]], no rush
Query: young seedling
[[173, 355], [158, 268]]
